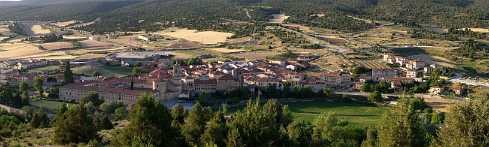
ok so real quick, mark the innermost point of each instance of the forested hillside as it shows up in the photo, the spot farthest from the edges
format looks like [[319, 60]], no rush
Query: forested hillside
[[212, 14]]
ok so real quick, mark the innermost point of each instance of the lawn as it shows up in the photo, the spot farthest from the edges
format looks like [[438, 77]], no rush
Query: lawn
[[107, 71], [356, 114], [49, 68], [48, 106]]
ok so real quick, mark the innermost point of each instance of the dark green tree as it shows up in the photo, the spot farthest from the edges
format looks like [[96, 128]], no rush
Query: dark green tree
[[92, 97], [178, 114], [39, 119], [402, 127], [103, 123], [68, 74], [74, 126], [38, 85], [375, 97], [150, 125], [466, 124], [23, 86], [215, 131], [195, 123], [120, 113]]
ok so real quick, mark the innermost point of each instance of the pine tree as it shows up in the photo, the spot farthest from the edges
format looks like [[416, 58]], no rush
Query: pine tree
[[466, 124], [150, 125], [38, 85], [23, 87], [178, 114], [401, 127], [215, 131], [92, 97], [68, 74], [74, 126], [25, 98], [195, 123], [39, 119]]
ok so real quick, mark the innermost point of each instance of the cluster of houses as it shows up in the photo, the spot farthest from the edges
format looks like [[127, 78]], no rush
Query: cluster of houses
[[166, 81], [409, 71]]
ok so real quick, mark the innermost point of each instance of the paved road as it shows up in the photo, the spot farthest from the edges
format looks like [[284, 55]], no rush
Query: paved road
[[459, 78]]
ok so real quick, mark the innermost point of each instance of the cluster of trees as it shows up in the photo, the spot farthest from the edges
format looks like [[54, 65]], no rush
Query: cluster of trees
[[467, 33], [45, 39], [289, 37], [17, 28], [411, 123], [14, 98], [473, 49], [425, 34], [312, 46]]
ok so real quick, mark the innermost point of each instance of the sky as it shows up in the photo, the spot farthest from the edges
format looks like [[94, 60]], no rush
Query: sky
[[10, 0]]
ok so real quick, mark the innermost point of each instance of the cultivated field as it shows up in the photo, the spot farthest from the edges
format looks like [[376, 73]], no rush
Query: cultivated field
[[205, 37], [228, 51], [278, 18], [92, 43], [18, 50], [58, 45], [371, 64]]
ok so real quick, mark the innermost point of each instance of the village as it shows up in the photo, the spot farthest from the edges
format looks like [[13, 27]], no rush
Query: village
[[171, 79]]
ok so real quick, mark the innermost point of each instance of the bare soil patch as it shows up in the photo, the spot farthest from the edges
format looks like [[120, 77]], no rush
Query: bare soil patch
[[66, 23], [205, 37], [38, 30], [278, 18], [92, 43], [480, 30], [333, 40]]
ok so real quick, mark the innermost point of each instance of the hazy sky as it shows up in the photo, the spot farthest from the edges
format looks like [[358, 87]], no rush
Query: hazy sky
[[10, 0]]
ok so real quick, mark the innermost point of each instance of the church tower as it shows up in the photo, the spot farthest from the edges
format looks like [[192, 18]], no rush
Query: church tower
[[177, 74]]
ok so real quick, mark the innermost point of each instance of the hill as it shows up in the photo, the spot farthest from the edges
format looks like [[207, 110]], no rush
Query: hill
[[212, 14]]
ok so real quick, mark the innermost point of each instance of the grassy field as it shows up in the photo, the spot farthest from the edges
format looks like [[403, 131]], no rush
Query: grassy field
[[48, 106], [356, 114], [105, 70], [50, 68]]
